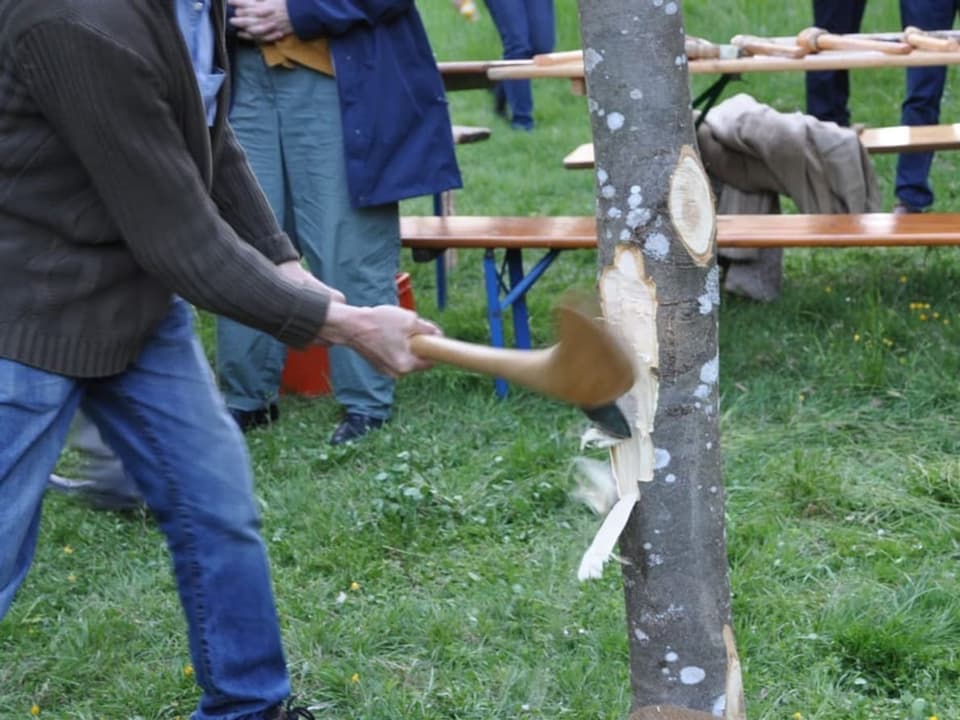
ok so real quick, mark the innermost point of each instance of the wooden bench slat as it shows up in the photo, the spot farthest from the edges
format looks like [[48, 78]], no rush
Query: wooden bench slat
[[754, 231], [902, 139], [919, 138]]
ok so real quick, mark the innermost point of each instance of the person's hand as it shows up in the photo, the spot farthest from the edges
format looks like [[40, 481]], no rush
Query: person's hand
[[381, 334], [296, 273], [261, 20]]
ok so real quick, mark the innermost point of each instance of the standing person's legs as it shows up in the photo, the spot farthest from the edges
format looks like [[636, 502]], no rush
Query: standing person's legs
[[356, 250], [921, 106], [170, 426], [249, 362], [101, 479], [35, 412], [513, 24], [828, 91]]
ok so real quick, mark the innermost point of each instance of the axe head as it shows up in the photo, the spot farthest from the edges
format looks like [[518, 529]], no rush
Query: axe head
[[589, 367]]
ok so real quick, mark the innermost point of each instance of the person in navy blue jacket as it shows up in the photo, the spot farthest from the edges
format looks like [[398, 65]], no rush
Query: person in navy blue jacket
[[828, 91], [341, 110]]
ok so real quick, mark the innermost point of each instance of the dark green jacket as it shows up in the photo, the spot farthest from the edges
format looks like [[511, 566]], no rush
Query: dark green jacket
[[115, 195]]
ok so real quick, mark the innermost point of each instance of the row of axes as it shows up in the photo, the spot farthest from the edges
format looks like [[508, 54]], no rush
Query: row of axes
[[808, 41], [813, 40]]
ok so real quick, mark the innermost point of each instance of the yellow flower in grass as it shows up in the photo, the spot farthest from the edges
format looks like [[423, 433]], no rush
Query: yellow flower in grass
[[71, 578], [355, 678], [67, 550], [828, 289], [34, 709], [187, 670], [797, 716], [856, 337], [903, 279], [354, 585]]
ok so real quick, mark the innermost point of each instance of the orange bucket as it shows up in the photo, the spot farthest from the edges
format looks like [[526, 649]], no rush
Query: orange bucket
[[307, 372]]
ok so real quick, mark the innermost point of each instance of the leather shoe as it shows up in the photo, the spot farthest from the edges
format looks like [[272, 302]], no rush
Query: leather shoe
[[250, 419], [354, 426]]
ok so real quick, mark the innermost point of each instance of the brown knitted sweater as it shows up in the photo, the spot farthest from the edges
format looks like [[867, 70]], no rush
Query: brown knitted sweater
[[115, 195]]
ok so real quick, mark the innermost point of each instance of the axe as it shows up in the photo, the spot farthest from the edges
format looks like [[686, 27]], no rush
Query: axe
[[815, 39], [587, 366], [752, 45], [923, 40]]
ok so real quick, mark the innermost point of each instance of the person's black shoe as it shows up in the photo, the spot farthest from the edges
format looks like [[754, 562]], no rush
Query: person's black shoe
[[499, 101], [289, 712], [354, 426], [250, 419]]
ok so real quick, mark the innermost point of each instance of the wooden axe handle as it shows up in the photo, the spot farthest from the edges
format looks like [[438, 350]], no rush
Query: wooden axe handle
[[816, 39], [925, 41], [753, 45]]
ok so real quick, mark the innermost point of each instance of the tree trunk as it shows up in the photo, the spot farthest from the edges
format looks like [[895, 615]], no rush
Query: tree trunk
[[659, 288]]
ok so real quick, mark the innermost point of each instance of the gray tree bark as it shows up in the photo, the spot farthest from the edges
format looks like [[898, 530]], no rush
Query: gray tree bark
[[659, 288]]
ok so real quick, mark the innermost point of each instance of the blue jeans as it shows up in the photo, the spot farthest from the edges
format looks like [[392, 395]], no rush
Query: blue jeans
[[288, 122], [922, 103], [170, 427], [829, 90], [526, 28]]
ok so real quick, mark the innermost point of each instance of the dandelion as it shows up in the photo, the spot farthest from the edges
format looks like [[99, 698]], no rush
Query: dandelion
[[354, 586], [933, 717], [936, 316], [856, 337], [828, 289], [797, 716], [355, 678], [802, 397], [187, 670], [71, 578], [34, 709], [903, 281], [946, 321], [923, 317], [67, 550]]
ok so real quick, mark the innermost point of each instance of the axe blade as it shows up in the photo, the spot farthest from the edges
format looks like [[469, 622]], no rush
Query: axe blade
[[610, 419]]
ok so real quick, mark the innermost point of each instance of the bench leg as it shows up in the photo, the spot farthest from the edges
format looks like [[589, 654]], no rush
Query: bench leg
[[440, 263], [521, 320], [494, 311]]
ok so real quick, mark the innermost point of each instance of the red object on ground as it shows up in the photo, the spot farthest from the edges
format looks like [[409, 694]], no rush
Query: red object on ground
[[307, 372]]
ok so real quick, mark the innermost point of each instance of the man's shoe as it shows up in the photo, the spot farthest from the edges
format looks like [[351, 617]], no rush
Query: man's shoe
[[354, 426], [250, 419], [901, 208], [289, 712]]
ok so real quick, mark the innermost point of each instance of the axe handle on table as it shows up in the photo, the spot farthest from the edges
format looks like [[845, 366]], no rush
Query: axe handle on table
[[753, 45], [815, 39], [923, 40]]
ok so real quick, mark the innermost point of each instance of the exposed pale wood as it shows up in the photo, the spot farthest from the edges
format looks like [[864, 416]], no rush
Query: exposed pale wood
[[816, 39], [587, 366], [755, 231]]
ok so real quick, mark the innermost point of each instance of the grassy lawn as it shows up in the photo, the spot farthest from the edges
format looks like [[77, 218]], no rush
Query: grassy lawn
[[430, 571]]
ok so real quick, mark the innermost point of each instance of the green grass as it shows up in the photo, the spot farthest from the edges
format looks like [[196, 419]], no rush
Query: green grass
[[430, 572]]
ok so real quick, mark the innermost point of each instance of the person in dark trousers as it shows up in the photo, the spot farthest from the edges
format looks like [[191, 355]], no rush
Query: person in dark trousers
[[309, 110], [526, 28], [828, 91], [124, 197], [921, 106]]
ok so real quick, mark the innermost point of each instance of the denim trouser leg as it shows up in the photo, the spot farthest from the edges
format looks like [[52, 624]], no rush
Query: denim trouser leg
[[168, 424], [921, 106], [356, 250], [250, 362], [526, 28], [35, 412], [829, 90]]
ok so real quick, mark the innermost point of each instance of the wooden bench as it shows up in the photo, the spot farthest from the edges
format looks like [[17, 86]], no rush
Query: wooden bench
[[507, 283], [902, 139]]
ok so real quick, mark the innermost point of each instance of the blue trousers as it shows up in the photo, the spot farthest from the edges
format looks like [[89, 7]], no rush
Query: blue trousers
[[829, 90], [288, 122], [921, 105], [167, 421], [526, 28]]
